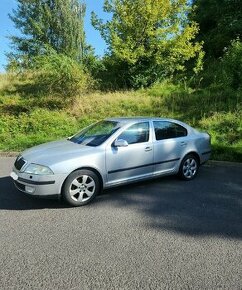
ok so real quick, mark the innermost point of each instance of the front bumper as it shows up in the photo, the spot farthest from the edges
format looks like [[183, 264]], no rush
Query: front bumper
[[38, 185]]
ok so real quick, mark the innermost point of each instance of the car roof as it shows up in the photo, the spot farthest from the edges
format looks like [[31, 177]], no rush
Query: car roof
[[140, 119], [129, 120]]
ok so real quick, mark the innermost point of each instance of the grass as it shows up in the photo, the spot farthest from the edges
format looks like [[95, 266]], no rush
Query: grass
[[28, 119]]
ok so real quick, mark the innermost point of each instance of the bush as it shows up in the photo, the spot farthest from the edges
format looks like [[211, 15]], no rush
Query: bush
[[232, 62], [225, 128], [226, 132], [60, 75]]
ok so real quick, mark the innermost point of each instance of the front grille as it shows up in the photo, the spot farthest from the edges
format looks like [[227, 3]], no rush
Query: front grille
[[19, 163]]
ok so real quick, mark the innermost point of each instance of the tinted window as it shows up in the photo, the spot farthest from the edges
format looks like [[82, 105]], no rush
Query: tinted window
[[136, 133], [167, 130]]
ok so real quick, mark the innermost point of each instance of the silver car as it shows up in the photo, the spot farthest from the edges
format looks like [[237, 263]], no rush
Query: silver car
[[108, 153]]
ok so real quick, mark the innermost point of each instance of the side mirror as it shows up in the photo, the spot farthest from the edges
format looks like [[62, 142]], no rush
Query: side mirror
[[120, 143]]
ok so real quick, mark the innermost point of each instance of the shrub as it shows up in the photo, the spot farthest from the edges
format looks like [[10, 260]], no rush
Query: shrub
[[58, 74], [225, 128], [232, 62]]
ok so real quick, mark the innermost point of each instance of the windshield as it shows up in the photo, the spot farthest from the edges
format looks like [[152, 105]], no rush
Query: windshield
[[96, 134]]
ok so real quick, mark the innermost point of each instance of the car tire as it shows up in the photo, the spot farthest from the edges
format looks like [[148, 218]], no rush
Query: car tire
[[81, 187], [189, 167]]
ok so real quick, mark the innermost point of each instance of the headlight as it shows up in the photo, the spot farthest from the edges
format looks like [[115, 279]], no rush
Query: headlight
[[38, 169]]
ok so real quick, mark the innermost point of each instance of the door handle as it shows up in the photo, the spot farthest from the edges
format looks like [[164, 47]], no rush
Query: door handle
[[147, 149], [183, 143]]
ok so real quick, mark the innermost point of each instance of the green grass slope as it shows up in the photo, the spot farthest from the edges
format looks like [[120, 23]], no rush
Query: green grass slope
[[28, 119]]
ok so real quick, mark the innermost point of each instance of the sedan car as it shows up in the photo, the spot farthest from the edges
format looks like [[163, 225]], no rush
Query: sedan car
[[108, 153]]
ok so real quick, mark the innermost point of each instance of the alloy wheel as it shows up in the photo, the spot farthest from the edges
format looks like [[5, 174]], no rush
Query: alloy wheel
[[82, 188], [189, 168]]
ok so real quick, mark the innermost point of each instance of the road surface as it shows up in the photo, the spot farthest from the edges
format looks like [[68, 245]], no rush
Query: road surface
[[161, 234]]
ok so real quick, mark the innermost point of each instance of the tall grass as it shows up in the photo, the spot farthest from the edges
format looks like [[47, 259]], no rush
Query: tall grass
[[27, 120]]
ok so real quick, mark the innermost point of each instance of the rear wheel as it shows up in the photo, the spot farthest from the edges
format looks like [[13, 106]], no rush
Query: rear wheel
[[81, 187], [189, 167]]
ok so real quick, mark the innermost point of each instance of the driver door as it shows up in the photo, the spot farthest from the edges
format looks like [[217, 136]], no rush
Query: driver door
[[134, 161]]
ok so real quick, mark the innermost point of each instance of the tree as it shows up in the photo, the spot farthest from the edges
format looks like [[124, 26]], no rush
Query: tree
[[220, 22], [152, 38], [48, 25]]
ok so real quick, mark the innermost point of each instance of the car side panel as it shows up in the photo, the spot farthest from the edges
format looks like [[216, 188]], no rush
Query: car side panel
[[203, 145], [127, 163], [168, 154]]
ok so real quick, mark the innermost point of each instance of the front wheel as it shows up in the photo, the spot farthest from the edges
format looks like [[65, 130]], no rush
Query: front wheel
[[189, 167], [81, 187]]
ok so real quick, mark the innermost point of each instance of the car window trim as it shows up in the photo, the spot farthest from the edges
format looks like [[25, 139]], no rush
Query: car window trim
[[171, 122], [150, 133]]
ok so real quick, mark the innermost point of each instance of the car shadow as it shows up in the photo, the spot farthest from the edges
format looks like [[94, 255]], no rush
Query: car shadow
[[12, 199], [211, 204]]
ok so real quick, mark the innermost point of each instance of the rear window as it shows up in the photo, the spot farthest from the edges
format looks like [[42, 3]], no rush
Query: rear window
[[167, 130]]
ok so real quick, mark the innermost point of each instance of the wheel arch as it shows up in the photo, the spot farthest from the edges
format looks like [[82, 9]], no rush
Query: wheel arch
[[86, 168], [193, 153]]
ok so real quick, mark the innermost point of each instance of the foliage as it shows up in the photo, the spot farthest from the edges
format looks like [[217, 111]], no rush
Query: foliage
[[225, 128], [149, 45], [219, 21], [47, 24], [53, 80], [220, 78], [151, 39], [226, 132], [29, 121], [59, 74], [38, 126], [232, 64], [111, 74]]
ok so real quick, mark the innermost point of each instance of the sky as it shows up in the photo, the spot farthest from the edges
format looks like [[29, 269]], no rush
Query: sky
[[7, 27]]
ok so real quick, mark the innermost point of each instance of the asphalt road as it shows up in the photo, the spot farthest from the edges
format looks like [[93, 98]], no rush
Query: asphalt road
[[161, 234]]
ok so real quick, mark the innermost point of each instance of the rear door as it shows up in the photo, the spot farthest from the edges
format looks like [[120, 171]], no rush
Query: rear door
[[169, 144]]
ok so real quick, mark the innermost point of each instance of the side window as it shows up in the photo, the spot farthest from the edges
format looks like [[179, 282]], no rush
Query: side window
[[167, 130], [136, 133]]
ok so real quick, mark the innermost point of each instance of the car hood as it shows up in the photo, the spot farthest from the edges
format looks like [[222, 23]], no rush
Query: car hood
[[57, 151]]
